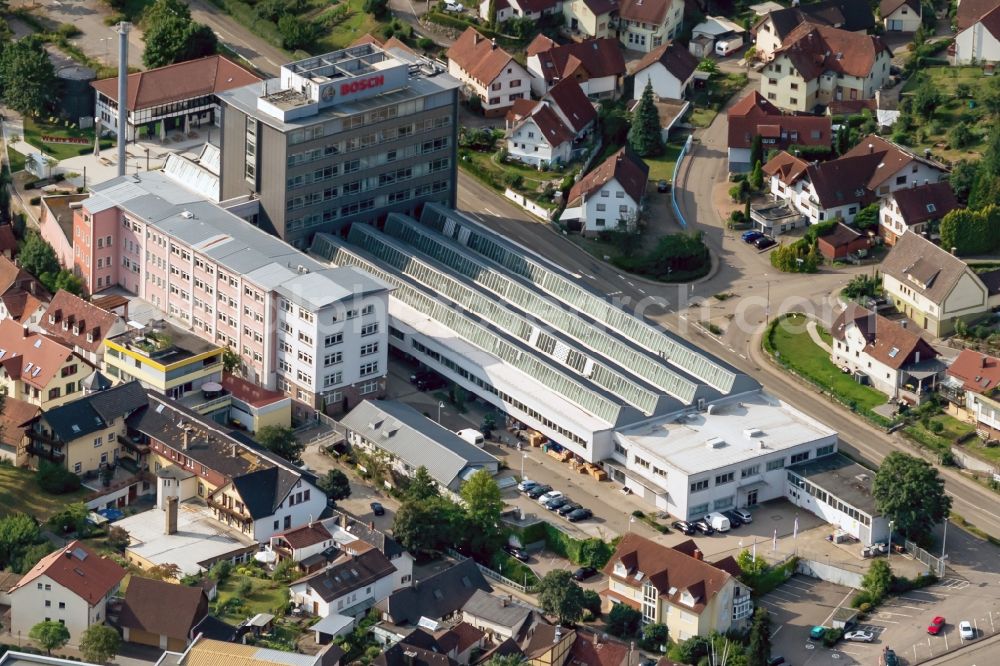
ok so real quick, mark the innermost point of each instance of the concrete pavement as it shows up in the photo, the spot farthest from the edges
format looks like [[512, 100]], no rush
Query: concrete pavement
[[255, 49]]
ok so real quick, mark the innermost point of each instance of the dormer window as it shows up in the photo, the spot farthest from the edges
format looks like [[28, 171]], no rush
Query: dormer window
[[76, 330], [688, 599], [90, 337], [52, 319], [620, 569]]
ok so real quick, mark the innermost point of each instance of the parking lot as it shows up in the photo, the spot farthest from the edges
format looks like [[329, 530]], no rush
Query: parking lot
[[900, 623]]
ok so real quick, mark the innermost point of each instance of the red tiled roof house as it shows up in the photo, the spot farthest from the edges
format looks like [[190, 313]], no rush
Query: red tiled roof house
[[545, 133], [609, 196], [488, 72], [972, 387], [753, 115], [596, 64]]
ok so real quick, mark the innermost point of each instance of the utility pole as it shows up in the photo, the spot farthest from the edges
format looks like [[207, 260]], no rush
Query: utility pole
[[122, 29]]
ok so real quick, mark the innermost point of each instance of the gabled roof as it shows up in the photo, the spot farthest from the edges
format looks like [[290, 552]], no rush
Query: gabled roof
[[675, 574], [970, 11], [786, 167], [893, 158], [14, 418], [924, 267], [8, 242], [841, 235], [675, 59], [601, 7], [887, 341], [86, 318], [459, 638], [178, 82], [852, 15], [417, 649], [549, 125], [305, 536], [590, 649], [978, 372], [263, 490], [161, 608], [844, 180], [13, 277], [572, 104], [990, 21], [79, 569], [590, 59], [95, 412], [653, 12], [751, 114], [436, 596], [623, 166], [478, 56], [887, 7], [348, 573], [32, 357], [815, 49], [925, 202]]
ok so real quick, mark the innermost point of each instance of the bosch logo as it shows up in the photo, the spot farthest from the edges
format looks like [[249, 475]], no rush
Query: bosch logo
[[328, 93], [362, 84]]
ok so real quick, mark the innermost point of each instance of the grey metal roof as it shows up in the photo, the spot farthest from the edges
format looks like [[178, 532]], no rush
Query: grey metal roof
[[235, 244], [496, 610], [415, 439]]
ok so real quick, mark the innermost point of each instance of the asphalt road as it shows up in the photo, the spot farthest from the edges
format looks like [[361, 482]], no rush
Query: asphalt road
[[983, 654], [257, 50]]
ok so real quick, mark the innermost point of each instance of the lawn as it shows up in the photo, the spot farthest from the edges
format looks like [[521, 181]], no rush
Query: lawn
[[708, 101], [662, 166], [514, 569], [791, 343], [265, 597], [533, 180], [941, 441], [16, 160], [952, 111], [34, 129], [946, 79], [978, 448], [20, 494], [357, 24]]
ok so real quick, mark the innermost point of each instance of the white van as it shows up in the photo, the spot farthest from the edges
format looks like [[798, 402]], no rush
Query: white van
[[729, 45], [472, 436], [718, 521]]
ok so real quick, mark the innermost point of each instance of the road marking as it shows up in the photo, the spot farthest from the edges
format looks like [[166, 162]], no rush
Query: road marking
[[742, 357], [630, 283], [641, 290], [489, 211], [621, 276], [777, 630]]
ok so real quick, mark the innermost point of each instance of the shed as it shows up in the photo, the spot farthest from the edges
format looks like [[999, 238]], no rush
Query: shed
[[842, 241]]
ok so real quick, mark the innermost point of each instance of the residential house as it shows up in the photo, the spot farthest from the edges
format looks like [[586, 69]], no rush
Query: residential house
[[71, 585], [895, 359], [37, 368], [205, 651], [15, 421], [526, 9], [548, 132], [488, 72], [755, 116], [22, 296], [933, 287], [900, 15], [644, 25], [971, 389], [86, 435], [8, 241], [307, 545], [55, 224], [675, 587], [501, 617], [161, 614], [840, 188], [917, 209], [460, 641], [597, 65], [773, 28], [348, 588], [412, 440], [817, 64], [346, 529], [81, 324], [438, 597], [979, 42], [555, 645], [255, 407], [669, 68], [418, 648], [590, 18], [841, 242], [610, 196], [708, 32]]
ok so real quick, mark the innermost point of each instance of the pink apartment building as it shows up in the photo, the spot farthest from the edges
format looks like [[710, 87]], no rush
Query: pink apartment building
[[315, 333]]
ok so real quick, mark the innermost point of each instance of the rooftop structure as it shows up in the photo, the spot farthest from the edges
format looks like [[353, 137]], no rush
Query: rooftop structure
[[840, 476]]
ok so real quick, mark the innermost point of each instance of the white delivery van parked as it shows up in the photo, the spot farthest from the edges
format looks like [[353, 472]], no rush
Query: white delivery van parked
[[472, 436], [728, 45], [718, 521]]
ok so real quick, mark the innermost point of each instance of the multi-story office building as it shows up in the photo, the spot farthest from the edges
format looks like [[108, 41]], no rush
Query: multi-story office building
[[345, 137], [314, 333]]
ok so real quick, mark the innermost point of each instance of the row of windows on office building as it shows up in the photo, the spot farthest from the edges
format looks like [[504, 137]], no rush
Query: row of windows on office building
[[754, 469]]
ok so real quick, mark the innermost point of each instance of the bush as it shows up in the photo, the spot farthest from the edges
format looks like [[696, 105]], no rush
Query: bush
[[425, 43], [55, 479], [68, 30], [34, 201], [831, 636], [623, 621]]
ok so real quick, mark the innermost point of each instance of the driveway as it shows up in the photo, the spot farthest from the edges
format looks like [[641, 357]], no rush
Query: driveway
[[97, 40]]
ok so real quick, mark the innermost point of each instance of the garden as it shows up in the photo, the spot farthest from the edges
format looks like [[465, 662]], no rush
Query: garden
[[709, 99], [59, 138], [20, 493]]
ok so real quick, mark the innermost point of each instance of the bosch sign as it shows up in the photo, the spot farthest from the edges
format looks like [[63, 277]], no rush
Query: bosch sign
[[362, 84]]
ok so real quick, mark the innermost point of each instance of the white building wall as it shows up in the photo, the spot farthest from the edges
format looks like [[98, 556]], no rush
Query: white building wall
[[852, 355], [28, 608], [300, 514], [646, 37], [975, 43], [904, 19], [528, 144], [665, 84], [767, 41], [606, 208], [513, 83]]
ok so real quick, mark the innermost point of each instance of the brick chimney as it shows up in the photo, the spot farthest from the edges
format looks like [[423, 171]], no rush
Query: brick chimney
[[171, 516], [697, 554]]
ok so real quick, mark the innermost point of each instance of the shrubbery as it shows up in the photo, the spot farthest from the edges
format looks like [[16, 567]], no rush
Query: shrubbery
[[56, 479]]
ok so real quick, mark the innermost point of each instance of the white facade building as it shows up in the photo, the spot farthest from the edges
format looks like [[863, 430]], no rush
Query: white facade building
[[488, 72], [610, 196], [350, 586], [644, 25], [670, 69], [980, 42]]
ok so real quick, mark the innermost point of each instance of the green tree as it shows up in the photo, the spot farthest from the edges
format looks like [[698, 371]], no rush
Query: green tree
[[559, 595], [708, 65], [492, 11], [756, 178], [756, 149], [285, 570], [986, 187], [297, 33], [654, 637], [483, 506], [427, 528], [421, 486], [867, 217], [877, 581], [963, 176], [760, 638], [231, 361], [910, 492], [100, 643], [925, 100], [171, 36], [335, 485], [514, 659], [960, 136], [27, 77], [691, 651], [245, 587], [623, 621], [377, 8], [73, 518], [37, 256], [280, 441], [17, 532], [592, 603], [117, 539], [644, 135], [50, 635]]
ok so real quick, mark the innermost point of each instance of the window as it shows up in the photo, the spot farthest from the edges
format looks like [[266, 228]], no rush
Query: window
[[800, 457], [369, 329], [368, 369], [723, 479], [901, 180], [333, 359], [824, 450], [699, 485], [334, 339], [369, 349], [752, 470], [777, 463], [369, 387]]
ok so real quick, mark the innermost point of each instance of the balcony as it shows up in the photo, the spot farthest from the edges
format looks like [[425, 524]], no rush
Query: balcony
[[47, 453], [45, 438], [229, 511]]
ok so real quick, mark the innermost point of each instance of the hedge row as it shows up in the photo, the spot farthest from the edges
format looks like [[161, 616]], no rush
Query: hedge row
[[588, 552]]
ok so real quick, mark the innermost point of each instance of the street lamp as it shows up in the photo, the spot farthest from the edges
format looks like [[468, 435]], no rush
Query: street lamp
[[524, 456], [889, 554], [440, 407]]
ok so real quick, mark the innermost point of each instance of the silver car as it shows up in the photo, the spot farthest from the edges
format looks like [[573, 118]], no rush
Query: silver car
[[860, 636]]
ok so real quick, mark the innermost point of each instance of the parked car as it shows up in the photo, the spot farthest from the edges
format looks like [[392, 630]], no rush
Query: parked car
[[456, 7], [377, 508], [776, 660], [583, 573], [764, 242], [549, 496], [936, 625], [662, 186], [568, 508], [966, 631], [734, 518], [526, 485], [744, 515], [702, 526], [517, 553], [750, 236], [817, 633], [860, 636], [538, 490], [579, 514], [429, 380], [556, 503], [719, 522], [889, 658], [684, 526]]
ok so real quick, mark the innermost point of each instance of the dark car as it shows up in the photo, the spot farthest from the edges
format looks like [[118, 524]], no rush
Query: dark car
[[517, 553], [538, 491], [377, 508], [431, 382], [557, 503], [662, 186], [583, 573], [702, 526], [684, 526], [579, 514], [734, 519], [568, 508], [750, 236], [776, 660], [764, 242]]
